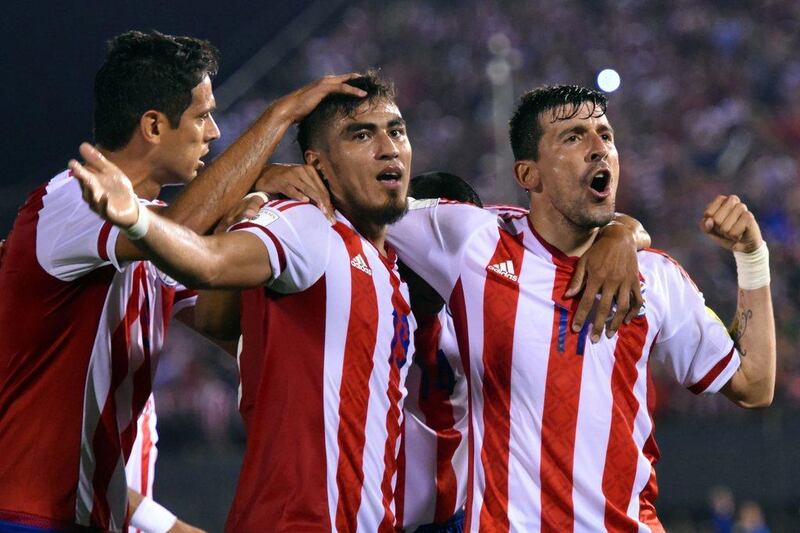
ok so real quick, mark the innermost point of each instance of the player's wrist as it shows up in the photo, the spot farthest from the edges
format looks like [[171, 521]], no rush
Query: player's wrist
[[752, 268], [258, 194], [140, 227], [152, 517], [618, 230]]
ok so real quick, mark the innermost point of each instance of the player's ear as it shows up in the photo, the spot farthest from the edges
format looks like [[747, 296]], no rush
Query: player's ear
[[312, 158], [526, 172], [151, 125]]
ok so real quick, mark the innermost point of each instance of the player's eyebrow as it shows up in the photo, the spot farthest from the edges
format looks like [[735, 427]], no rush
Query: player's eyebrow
[[577, 129], [399, 121], [359, 126], [605, 128], [210, 109]]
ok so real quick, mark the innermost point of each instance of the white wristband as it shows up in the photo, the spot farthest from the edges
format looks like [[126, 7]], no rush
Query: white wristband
[[753, 268], [152, 517], [139, 229], [264, 196]]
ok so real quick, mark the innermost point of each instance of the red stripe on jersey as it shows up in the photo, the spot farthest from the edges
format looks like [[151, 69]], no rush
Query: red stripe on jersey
[[709, 378], [560, 409], [290, 205], [252, 322], [182, 295], [500, 299], [102, 240], [283, 480], [647, 498], [458, 308], [400, 484], [147, 446], [434, 402], [622, 453], [649, 493], [143, 376], [398, 356], [106, 440], [275, 241], [362, 330]]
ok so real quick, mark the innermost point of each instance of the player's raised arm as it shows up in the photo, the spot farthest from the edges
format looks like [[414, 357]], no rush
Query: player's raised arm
[[217, 190], [219, 261], [728, 221]]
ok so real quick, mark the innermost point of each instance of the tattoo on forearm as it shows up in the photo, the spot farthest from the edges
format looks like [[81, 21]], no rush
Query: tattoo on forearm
[[740, 328]]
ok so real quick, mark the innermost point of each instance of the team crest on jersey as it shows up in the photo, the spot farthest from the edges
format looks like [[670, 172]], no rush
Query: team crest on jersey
[[359, 263], [264, 218], [400, 339], [505, 269], [167, 280]]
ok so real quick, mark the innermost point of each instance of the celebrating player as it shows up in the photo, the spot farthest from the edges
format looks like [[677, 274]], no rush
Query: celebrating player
[[83, 314], [560, 436]]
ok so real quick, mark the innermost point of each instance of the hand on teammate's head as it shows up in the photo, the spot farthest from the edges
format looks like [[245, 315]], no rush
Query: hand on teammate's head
[[728, 221], [298, 104]]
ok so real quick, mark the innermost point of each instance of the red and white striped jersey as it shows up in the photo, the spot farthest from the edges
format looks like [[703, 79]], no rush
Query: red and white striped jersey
[[560, 435], [432, 476], [79, 335], [323, 412], [140, 470]]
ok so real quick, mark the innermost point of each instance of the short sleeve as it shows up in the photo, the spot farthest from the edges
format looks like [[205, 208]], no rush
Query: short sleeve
[[692, 341], [298, 239], [183, 297], [431, 237], [72, 240]]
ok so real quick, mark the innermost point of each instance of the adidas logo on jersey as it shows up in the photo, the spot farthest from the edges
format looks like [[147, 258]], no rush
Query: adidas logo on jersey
[[505, 269], [359, 263]]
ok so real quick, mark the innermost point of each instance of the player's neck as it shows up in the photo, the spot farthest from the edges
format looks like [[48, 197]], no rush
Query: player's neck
[[374, 233], [560, 232], [138, 169]]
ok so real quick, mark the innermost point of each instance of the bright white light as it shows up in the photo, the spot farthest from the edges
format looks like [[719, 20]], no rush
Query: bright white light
[[608, 80]]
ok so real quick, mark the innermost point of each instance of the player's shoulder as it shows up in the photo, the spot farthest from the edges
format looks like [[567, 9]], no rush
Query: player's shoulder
[[64, 187], [656, 258], [451, 210], [658, 264], [292, 211]]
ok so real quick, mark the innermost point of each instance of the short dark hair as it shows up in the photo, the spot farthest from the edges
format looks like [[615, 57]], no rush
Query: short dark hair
[[342, 105], [147, 71], [443, 185], [525, 131]]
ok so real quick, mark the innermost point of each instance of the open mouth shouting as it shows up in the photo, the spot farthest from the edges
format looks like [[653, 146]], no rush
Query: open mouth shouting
[[600, 182]]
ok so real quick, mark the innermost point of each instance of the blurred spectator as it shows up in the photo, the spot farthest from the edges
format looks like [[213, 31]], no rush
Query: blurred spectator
[[722, 509], [751, 519]]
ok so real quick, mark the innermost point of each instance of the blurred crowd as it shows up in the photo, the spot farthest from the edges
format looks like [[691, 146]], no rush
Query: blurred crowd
[[709, 103]]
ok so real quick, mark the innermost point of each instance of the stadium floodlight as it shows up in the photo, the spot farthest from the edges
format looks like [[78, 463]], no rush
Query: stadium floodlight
[[608, 80]]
